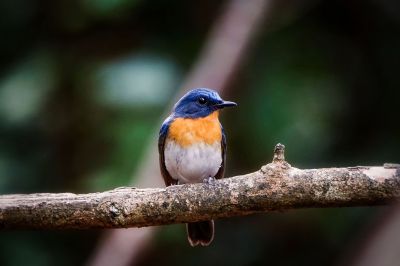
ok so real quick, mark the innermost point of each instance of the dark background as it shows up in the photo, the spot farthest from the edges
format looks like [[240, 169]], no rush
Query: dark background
[[83, 85]]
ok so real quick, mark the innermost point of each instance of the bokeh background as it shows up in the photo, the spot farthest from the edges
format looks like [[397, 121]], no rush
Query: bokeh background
[[84, 85]]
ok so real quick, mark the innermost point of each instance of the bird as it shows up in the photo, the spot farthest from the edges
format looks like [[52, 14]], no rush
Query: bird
[[192, 149]]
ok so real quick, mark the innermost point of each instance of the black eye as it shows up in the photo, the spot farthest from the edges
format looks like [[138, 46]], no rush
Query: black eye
[[202, 101]]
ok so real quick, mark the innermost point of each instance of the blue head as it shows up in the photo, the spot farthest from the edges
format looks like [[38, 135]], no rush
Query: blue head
[[200, 102]]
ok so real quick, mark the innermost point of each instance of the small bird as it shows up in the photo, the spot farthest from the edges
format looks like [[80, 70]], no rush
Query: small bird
[[192, 149]]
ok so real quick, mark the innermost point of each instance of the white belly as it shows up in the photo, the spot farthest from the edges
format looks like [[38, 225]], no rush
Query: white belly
[[194, 163]]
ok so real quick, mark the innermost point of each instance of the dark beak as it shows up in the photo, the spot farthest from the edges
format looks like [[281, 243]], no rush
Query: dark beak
[[225, 104]]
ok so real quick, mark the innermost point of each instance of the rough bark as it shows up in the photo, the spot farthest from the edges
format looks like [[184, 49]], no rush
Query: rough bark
[[276, 186]]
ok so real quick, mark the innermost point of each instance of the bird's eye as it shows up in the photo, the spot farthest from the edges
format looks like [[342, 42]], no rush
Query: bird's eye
[[202, 101]]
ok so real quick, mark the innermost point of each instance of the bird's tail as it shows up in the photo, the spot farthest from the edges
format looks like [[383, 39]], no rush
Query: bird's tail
[[200, 233]]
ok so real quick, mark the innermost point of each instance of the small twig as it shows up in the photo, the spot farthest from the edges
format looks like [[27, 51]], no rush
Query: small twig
[[279, 153]]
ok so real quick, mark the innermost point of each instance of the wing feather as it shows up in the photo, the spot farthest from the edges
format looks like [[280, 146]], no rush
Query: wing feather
[[161, 143], [221, 171]]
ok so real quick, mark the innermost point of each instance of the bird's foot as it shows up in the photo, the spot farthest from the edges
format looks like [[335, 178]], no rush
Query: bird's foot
[[209, 181]]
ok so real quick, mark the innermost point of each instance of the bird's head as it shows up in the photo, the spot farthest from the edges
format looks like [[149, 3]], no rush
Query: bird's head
[[200, 102]]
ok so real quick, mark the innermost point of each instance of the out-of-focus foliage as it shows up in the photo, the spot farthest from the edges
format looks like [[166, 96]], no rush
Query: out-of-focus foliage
[[83, 85]]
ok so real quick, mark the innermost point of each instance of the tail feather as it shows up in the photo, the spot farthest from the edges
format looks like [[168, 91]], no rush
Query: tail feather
[[200, 233]]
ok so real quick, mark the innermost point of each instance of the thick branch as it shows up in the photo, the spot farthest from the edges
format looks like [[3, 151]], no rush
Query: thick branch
[[276, 186]]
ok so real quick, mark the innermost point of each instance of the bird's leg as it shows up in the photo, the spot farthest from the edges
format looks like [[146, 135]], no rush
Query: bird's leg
[[210, 180]]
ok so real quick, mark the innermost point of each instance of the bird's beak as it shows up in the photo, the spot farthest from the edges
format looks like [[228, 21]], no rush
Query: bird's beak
[[224, 104]]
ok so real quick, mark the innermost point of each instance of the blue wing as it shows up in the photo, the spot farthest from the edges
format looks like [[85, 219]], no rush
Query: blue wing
[[221, 171], [161, 143]]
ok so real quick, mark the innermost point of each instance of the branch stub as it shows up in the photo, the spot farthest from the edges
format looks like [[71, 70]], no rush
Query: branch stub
[[279, 153]]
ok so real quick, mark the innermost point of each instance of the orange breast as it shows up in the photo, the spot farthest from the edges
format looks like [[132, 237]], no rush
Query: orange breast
[[187, 131]]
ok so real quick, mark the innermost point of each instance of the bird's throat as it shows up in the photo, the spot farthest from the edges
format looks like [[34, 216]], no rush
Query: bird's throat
[[189, 131]]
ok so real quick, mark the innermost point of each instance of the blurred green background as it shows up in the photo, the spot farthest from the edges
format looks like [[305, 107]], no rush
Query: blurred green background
[[84, 83]]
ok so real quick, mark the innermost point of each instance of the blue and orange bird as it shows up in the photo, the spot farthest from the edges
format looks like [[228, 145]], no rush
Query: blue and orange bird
[[192, 148]]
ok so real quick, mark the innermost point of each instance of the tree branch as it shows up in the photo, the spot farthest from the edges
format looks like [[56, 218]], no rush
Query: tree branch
[[276, 186]]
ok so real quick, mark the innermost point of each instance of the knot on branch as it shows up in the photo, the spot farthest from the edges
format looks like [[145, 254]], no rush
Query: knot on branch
[[279, 166], [279, 153], [113, 212]]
